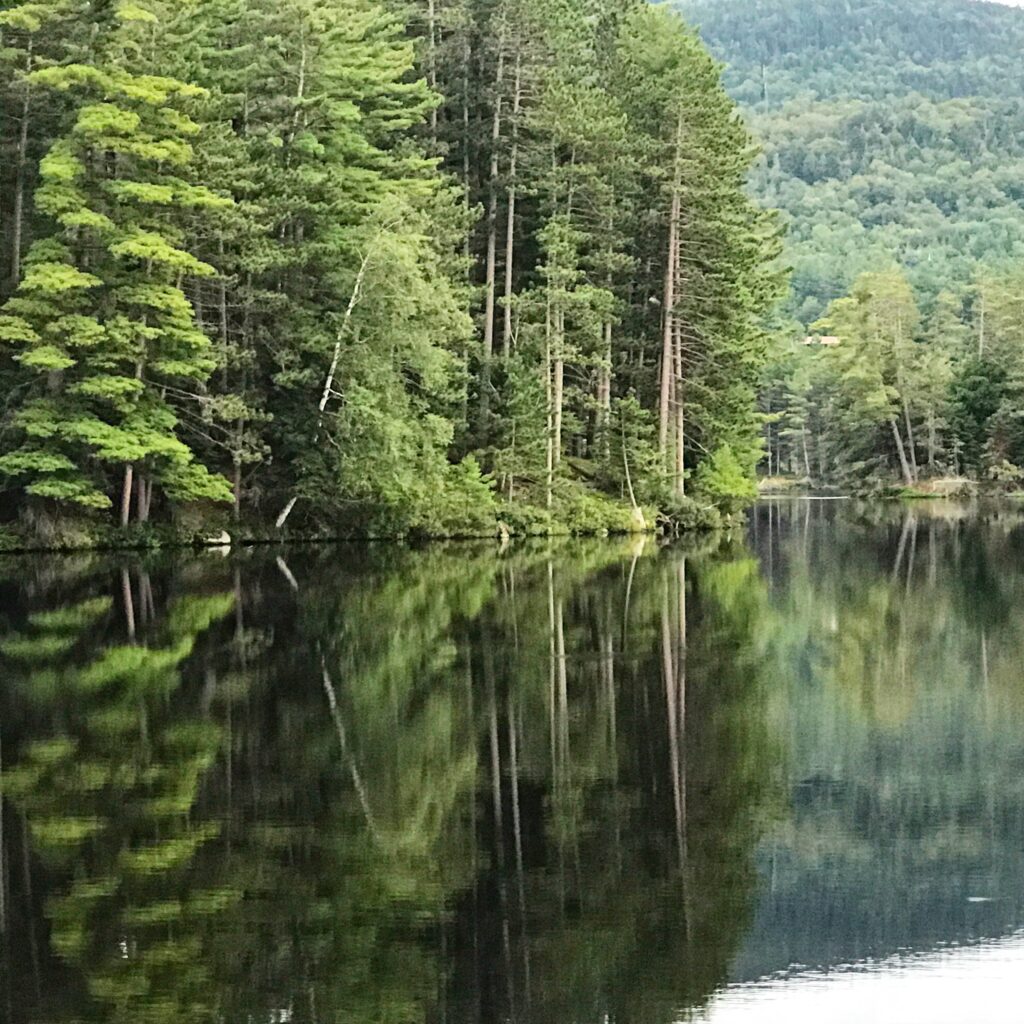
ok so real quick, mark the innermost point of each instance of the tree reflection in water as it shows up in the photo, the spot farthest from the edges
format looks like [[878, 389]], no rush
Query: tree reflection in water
[[568, 782]]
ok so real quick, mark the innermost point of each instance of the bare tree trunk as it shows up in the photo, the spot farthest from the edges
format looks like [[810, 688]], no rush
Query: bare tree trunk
[[559, 387], [300, 94], [604, 393], [629, 475], [549, 389], [908, 478], [467, 63], [911, 444], [126, 494], [432, 65], [981, 326], [18, 213], [510, 230], [143, 493], [668, 333], [680, 415], [328, 389], [492, 238]]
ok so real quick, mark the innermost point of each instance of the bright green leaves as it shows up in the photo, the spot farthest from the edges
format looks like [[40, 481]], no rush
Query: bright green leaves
[[25, 460], [268, 271], [57, 278], [48, 358], [51, 474], [100, 326], [104, 122], [73, 491], [14, 328], [127, 11], [118, 391], [61, 165], [152, 247]]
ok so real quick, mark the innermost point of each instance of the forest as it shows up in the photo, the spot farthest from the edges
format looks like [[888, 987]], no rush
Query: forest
[[892, 145], [373, 267]]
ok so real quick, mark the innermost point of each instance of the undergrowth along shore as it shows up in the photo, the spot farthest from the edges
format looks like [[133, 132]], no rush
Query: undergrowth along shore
[[587, 514]]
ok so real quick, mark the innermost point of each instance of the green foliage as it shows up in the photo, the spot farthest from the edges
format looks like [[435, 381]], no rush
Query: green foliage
[[580, 510], [684, 514], [339, 263], [463, 506], [891, 131], [724, 481]]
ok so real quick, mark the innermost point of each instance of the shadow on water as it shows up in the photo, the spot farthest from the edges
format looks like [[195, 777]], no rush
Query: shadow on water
[[566, 782]]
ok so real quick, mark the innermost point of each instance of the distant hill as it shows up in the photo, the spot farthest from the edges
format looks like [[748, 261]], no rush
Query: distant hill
[[893, 132]]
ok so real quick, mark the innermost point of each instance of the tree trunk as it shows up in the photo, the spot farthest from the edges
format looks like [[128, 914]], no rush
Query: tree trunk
[[550, 405], [18, 212], [680, 415], [911, 444], [558, 395], [668, 360], [604, 394], [467, 63], [432, 65], [908, 478], [668, 334], [492, 240], [510, 230], [629, 476], [981, 326], [143, 492], [237, 491], [126, 494]]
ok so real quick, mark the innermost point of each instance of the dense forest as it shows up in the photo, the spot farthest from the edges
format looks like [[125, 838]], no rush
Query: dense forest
[[891, 132], [372, 266], [892, 144]]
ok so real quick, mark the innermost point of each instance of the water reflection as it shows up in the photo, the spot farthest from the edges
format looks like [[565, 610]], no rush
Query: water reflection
[[901, 692], [576, 782]]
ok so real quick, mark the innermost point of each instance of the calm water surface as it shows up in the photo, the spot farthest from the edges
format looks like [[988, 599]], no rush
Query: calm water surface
[[779, 778]]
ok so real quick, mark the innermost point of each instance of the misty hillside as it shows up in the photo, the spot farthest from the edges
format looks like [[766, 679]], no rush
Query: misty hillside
[[893, 132]]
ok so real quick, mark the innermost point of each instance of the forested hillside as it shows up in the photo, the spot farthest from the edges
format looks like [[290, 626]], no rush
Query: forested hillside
[[342, 266], [892, 132], [892, 136]]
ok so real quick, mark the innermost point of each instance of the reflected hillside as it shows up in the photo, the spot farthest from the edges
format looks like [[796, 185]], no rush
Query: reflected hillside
[[899, 686]]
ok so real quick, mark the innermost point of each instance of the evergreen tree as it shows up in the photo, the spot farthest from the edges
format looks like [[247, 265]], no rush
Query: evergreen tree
[[100, 325]]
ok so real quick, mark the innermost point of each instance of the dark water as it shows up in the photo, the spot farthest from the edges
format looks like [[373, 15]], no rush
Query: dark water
[[776, 778]]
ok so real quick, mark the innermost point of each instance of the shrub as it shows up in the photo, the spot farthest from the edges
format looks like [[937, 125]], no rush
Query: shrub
[[586, 511], [524, 520], [464, 505], [722, 479], [686, 514]]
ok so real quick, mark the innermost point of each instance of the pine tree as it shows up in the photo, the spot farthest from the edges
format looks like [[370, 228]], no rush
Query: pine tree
[[100, 326]]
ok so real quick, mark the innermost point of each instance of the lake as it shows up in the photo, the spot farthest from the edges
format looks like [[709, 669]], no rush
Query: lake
[[777, 776]]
